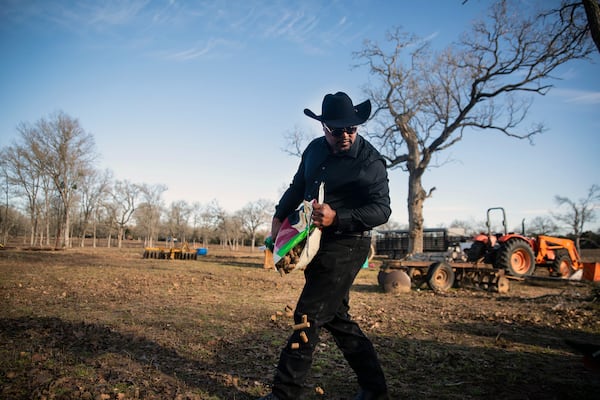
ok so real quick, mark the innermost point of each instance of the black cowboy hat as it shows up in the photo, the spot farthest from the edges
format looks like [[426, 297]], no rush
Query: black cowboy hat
[[338, 111]]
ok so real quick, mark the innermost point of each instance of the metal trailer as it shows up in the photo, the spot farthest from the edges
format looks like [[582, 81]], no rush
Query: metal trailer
[[394, 243]]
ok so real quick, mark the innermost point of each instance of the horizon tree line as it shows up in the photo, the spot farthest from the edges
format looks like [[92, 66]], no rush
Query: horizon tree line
[[53, 194]]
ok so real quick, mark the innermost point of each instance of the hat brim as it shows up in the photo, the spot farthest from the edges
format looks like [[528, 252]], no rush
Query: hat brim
[[360, 116]]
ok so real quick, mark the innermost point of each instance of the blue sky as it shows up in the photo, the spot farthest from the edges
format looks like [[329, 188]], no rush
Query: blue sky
[[198, 95]]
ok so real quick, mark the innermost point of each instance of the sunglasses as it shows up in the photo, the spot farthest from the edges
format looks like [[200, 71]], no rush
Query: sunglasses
[[337, 132]]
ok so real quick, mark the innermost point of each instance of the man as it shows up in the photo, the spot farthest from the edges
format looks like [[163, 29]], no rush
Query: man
[[356, 200]]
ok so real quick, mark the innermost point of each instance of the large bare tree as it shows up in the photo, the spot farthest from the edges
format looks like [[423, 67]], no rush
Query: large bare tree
[[64, 152], [569, 13], [424, 100]]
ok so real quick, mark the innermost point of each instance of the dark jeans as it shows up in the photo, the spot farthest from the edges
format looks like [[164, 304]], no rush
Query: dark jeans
[[325, 301]]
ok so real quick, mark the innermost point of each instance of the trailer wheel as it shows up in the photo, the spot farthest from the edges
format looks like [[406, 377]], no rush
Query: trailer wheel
[[415, 273], [440, 276], [417, 276], [516, 257], [563, 266]]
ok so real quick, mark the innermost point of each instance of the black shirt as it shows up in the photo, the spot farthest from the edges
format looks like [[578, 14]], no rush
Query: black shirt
[[356, 185]]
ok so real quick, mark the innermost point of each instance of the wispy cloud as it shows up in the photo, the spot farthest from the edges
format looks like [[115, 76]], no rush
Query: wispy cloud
[[211, 48], [312, 26], [292, 24], [191, 53], [79, 18], [117, 13], [578, 96]]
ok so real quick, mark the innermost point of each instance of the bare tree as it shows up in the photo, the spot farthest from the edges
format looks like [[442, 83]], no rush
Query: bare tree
[[65, 153], [579, 212], [391, 226], [13, 223], [427, 100], [201, 223], [541, 226], [178, 217], [147, 215], [23, 179], [231, 230], [213, 221], [470, 227], [254, 215], [122, 206], [295, 141], [94, 188], [569, 13], [225, 226], [6, 213]]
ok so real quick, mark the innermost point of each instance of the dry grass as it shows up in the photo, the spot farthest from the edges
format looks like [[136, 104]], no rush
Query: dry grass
[[105, 323]]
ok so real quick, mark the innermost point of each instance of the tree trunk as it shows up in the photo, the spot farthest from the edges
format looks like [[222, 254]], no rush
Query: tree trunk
[[33, 232], [416, 199], [67, 237], [58, 233], [94, 235], [47, 221], [120, 232], [592, 11]]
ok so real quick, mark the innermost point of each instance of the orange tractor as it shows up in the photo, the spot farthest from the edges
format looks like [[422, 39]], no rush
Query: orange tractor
[[519, 255]]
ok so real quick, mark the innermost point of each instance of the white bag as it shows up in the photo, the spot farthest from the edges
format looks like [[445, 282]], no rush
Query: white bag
[[298, 239]]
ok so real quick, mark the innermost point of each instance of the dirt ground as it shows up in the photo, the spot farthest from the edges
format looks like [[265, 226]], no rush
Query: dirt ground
[[108, 324]]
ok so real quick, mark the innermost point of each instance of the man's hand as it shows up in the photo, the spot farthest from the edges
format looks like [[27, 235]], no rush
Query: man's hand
[[323, 215]]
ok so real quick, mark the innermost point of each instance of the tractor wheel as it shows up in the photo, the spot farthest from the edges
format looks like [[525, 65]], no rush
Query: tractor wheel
[[516, 257], [563, 266], [440, 276]]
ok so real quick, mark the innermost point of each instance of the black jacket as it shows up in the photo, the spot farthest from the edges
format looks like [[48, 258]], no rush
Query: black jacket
[[356, 185]]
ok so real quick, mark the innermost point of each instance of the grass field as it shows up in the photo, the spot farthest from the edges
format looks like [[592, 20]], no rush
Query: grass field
[[107, 324]]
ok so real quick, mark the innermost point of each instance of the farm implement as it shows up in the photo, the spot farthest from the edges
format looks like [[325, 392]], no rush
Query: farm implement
[[490, 261], [173, 253], [441, 275]]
